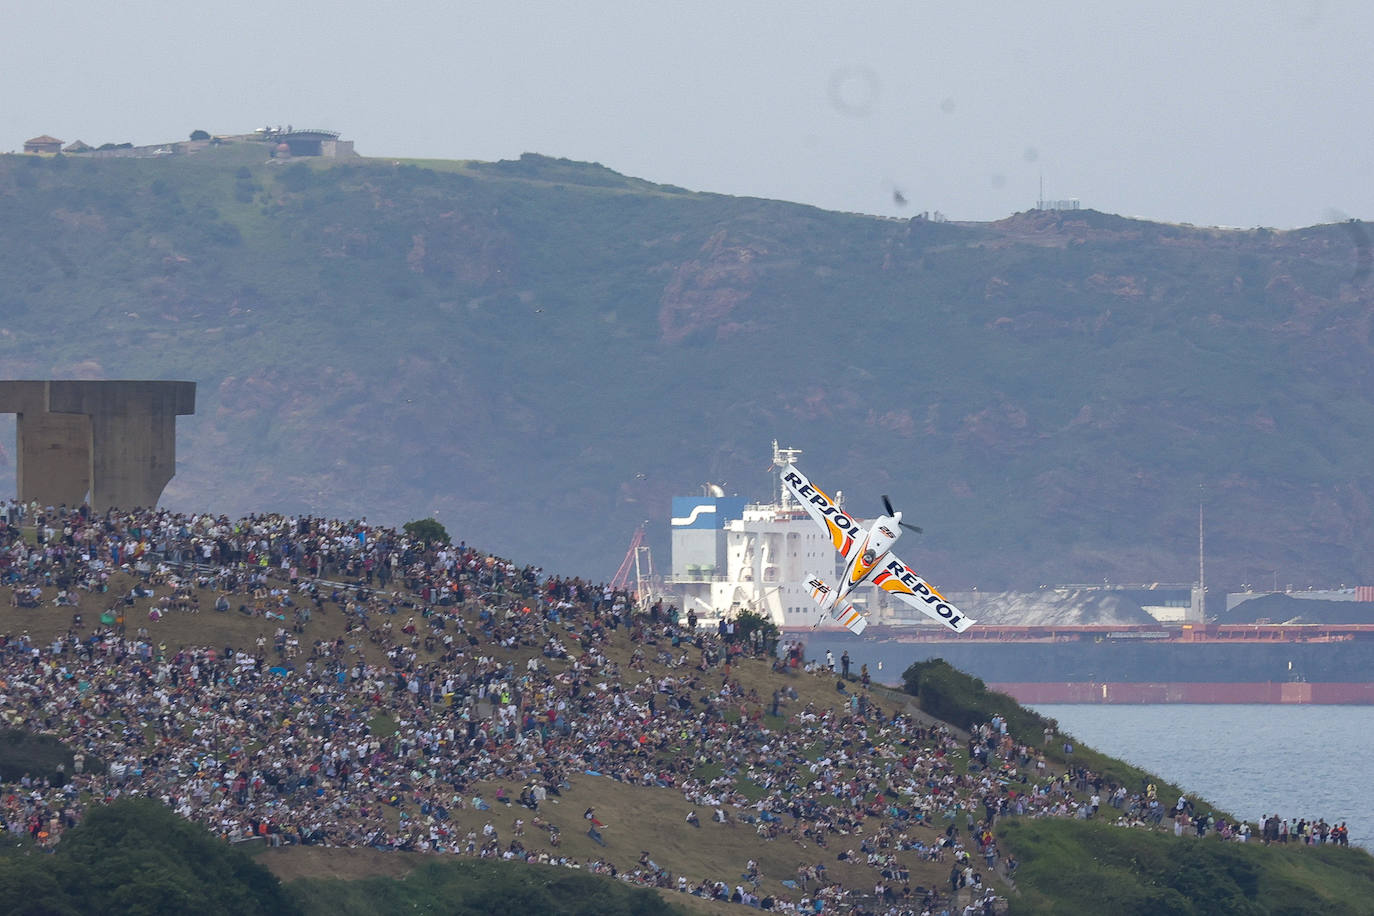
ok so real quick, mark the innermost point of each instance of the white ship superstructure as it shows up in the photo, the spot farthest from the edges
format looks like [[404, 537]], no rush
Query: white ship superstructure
[[730, 555]]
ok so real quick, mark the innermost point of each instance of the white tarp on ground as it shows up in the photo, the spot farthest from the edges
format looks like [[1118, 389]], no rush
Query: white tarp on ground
[[1052, 607]]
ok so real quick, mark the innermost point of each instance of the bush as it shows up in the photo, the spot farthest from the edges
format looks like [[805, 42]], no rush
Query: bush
[[137, 857], [296, 177], [428, 530], [963, 700], [747, 622], [200, 135]]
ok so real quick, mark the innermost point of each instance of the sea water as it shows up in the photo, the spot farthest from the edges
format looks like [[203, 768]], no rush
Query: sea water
[[1294, 761]]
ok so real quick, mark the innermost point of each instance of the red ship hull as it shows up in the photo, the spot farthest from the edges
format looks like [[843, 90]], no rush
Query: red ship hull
[[1272, 664], [1275, 693]]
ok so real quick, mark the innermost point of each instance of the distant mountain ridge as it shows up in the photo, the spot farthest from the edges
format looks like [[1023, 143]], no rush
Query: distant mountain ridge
[[543, 352]]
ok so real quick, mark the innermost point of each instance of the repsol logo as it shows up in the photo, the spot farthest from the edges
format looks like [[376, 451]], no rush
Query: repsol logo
[[809, 493], [936, 601]]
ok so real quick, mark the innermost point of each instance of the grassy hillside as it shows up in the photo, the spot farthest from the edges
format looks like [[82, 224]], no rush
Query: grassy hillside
[[638, 817], [549, 351], [476, 888], [1078, 867], [1068, 866]]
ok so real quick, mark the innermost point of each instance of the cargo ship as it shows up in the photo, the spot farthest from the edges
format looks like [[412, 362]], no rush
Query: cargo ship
[[1072, 644]]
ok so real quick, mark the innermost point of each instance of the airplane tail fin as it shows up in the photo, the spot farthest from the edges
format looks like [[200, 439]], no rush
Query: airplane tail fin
[[850, 618]]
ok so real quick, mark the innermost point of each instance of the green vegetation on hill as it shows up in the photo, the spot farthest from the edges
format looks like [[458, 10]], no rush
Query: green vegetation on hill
[[137, 857], [522, 345], [964, 701], [1072, 867], [427, 531], [476, 888]]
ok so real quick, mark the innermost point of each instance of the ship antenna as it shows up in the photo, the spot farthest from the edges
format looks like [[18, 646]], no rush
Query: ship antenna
[[1201, 556], [783, 458]]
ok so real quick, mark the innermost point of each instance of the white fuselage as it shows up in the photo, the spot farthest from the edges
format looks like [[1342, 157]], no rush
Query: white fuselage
[[865, 562]]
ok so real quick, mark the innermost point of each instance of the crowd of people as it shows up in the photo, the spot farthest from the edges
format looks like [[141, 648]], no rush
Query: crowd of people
[[454, 672]]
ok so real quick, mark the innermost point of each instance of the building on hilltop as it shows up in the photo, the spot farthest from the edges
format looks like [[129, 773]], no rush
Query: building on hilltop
[[284, 143], [307, 142], [43, 144], [1071, 203]]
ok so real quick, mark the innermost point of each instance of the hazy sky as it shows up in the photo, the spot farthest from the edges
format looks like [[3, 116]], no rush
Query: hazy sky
[[1224, 113]]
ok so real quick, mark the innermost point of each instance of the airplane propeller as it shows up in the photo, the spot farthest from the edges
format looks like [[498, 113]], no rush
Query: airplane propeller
[[887, 505]]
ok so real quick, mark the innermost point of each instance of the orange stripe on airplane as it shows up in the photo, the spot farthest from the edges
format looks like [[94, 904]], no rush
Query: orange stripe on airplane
[[837, 536]]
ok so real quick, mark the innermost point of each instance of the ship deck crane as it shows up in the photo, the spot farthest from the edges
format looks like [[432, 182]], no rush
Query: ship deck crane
[[639, 560]]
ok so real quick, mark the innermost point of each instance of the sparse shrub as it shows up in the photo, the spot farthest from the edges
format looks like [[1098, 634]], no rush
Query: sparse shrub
[[428, 530]]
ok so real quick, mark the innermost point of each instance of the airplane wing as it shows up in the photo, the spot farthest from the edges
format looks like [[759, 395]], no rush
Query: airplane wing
[[898, 579], [845, 533]]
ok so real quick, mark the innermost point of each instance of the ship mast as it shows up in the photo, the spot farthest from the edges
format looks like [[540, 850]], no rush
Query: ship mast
[[784, 458], [1201, 561]]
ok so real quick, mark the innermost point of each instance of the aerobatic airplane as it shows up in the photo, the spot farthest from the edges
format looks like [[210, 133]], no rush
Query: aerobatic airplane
[[867, 558]]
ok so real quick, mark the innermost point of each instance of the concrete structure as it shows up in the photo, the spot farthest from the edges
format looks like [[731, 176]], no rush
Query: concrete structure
[[109, 443], [43, 144], [310, 142]]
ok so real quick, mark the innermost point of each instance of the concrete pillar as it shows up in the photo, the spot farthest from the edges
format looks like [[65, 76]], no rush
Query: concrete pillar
[[115, 440], [52, 464]]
